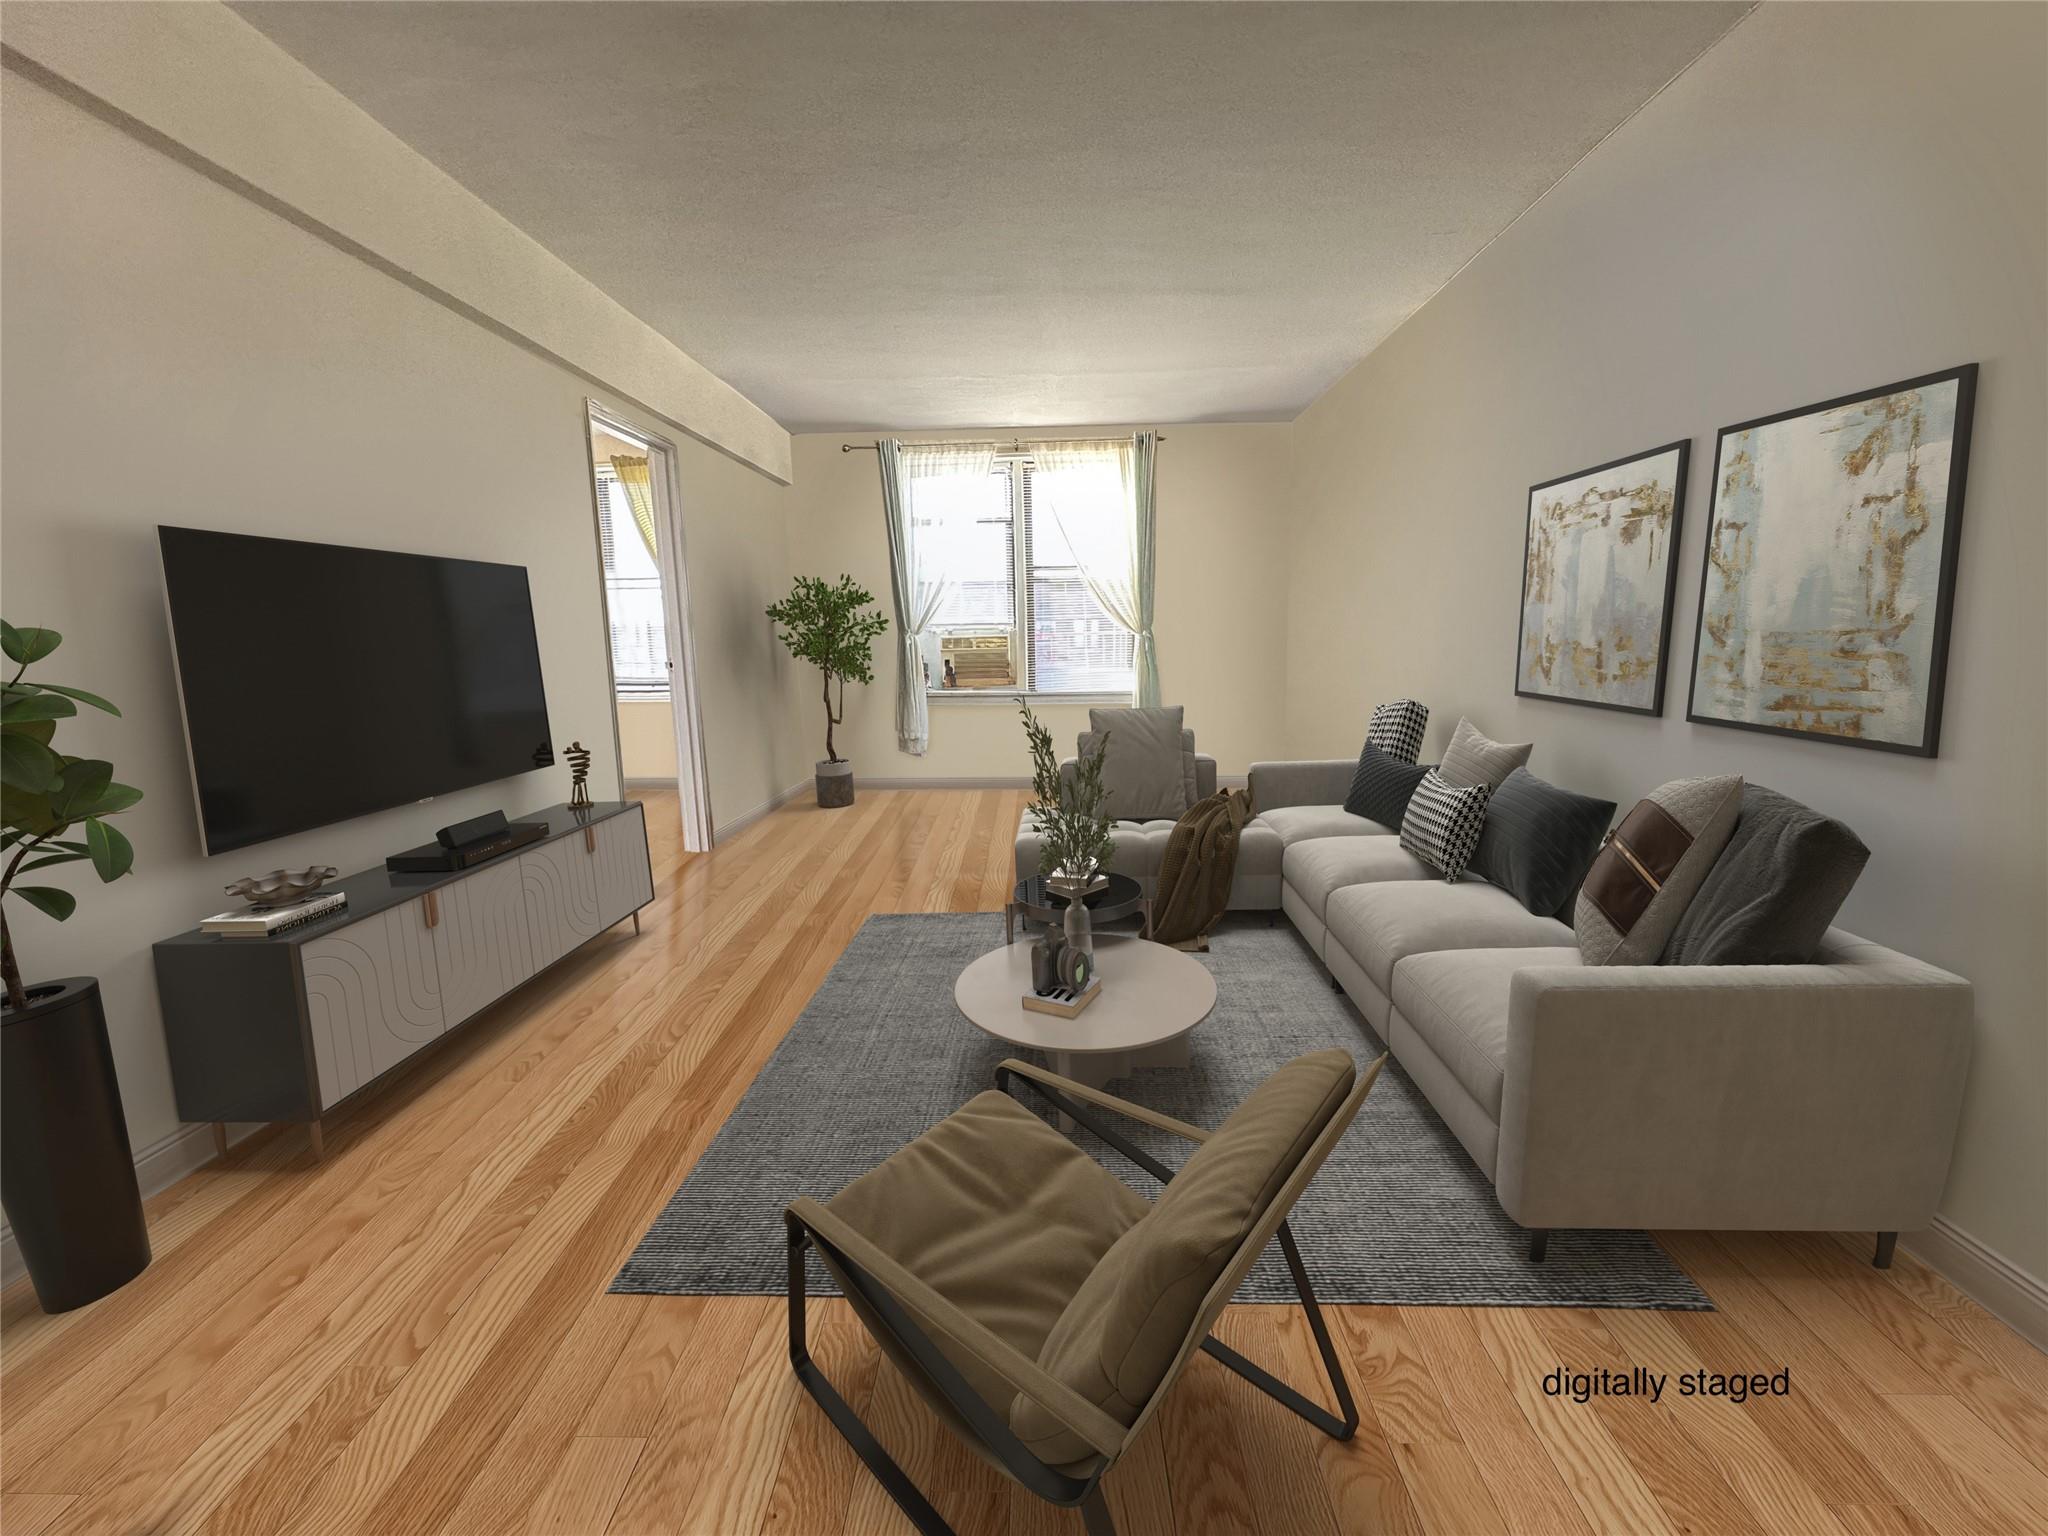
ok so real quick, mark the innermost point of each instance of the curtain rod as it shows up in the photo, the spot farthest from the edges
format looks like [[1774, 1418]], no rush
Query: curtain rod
[[1015, 445]]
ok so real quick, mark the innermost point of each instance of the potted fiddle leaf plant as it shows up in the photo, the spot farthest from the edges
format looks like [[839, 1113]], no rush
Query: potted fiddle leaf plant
[[67, 1173], [833, 626]]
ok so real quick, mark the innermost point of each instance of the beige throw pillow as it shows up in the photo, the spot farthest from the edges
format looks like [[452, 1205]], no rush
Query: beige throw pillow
[[1475, 759], [1650, 868]]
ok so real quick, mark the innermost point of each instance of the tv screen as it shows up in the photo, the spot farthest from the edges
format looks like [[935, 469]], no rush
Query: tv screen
[[322, 682]]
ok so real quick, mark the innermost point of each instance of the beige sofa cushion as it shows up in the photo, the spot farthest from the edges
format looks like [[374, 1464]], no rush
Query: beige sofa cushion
[[1457, 1001], [1381, 925], [1000, 1214], [1316, 867], [1296, 822], [1125, 1325]]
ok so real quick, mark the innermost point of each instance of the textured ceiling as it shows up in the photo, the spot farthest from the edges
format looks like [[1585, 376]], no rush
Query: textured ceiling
[[971, 215]]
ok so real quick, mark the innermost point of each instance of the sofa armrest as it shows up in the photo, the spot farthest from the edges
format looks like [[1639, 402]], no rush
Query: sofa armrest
[[1805, 1097], [1205, 776], [1324, 781]]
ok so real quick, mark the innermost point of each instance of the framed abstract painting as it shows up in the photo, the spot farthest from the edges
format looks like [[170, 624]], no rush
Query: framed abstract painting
[[1830, 571], [1598, 561]]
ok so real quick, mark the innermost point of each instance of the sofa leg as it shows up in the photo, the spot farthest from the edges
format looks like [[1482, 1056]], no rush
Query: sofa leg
[[1886, 1242], [1335, 984], [1272, 919], [1539, 1244]]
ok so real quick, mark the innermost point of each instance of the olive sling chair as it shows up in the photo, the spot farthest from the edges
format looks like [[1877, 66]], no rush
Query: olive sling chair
[[1042, 1307]]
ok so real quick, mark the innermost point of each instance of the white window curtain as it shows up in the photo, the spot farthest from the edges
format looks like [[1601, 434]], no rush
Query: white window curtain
[[1100, 493], [931, 493]]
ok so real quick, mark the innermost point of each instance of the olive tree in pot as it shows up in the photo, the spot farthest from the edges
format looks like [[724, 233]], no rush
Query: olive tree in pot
[[831, 626], [67, 1173]]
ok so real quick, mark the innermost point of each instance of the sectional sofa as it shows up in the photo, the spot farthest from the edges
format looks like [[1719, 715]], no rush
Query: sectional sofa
[[1818, 1097]]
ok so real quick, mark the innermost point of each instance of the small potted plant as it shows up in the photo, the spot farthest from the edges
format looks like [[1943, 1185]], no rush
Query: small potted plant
[[67, 1174], [832, 626], [1074, 842]]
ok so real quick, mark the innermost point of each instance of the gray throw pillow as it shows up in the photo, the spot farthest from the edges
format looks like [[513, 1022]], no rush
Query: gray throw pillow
[[1778, 884], [1143, 773], [1475, 759], [1538, 840]]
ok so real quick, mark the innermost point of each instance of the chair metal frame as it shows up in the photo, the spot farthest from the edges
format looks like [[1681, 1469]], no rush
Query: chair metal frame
[[988, 1423]]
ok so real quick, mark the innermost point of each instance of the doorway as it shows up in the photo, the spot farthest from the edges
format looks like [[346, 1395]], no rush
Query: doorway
[[659, 729]]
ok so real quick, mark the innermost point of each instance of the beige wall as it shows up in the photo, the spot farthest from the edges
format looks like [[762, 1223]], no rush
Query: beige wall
[[172, 352], [1834, 197], [1219, 615], [647, 739], [235, 102]]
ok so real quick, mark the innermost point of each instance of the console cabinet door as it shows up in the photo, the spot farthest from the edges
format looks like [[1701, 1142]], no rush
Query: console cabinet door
[[624, 882], [482, 948], [560, 880], [373, 997]]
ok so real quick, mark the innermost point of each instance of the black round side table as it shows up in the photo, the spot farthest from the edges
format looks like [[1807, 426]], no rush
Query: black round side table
[[1034, 902]]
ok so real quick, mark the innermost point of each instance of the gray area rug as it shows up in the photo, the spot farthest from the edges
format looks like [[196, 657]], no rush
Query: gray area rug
[[1399, 1214]]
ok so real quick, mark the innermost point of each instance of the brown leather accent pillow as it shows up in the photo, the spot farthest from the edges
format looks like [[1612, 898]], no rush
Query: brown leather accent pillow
[[1634, 861], [1650, 866]]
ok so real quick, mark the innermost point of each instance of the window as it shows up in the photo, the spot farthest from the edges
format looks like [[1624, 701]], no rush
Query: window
[[1017, 613], [632, 587]]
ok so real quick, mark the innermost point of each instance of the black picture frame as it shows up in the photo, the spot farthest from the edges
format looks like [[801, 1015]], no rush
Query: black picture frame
[[1683, 448], [1965, 380]]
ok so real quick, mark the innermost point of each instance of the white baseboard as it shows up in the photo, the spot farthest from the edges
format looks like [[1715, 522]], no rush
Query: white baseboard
[[1986, 1276], [745, 819], [157, 1167], [942, 781]]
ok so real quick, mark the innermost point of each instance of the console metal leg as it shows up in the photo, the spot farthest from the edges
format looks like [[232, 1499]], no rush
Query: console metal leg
[[636, 922], [1886, 1242], [318, 1138], [1539, 1244], [220, 1139]]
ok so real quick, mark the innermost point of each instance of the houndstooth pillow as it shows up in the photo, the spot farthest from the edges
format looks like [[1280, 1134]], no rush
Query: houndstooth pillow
[[1443, 823], [1397, 728]]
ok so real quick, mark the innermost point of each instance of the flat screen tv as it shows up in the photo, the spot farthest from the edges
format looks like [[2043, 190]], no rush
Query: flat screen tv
[[322, 682]]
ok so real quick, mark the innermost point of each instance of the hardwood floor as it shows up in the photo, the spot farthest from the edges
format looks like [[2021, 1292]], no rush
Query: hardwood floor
[[413, 1335]]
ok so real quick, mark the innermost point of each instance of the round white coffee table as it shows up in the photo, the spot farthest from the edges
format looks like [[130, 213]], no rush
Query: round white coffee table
[[1152, 998]]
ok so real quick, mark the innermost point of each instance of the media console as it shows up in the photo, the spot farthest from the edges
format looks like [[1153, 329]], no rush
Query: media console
[[290, 1027]]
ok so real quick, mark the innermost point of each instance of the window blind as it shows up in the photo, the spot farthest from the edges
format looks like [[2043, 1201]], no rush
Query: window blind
[[975, 541], [1075, 646], [632, 585]]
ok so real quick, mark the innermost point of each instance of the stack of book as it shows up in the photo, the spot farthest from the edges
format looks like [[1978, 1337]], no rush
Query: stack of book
[[263, 920]]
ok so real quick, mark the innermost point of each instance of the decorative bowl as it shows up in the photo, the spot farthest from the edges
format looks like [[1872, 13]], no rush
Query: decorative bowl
[[282, 884]]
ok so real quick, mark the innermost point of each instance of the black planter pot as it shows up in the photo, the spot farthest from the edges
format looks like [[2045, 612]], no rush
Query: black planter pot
[[835, 783], [67, 1175]]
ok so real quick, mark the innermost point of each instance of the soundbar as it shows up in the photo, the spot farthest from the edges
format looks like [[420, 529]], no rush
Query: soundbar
[[438, 858]]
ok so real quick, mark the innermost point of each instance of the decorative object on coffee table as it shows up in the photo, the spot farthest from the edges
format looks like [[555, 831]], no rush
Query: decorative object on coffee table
[[579, 775], [1075, 845], [831, 626], [282, 885], [1599, 560], [1830, 569], [67, 1172]]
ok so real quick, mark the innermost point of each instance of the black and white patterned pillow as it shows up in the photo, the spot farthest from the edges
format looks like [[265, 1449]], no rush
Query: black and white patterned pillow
[[1397, 728], [1443, 823]]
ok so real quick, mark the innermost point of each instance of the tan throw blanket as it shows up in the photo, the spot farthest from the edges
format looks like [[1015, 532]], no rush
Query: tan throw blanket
[[1200, 863]]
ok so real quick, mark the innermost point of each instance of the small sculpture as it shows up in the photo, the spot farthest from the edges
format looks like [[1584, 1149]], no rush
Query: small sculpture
[[579, 775], [282, 885]]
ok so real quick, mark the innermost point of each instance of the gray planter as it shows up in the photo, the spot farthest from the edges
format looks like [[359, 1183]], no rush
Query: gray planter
[[835, 784]]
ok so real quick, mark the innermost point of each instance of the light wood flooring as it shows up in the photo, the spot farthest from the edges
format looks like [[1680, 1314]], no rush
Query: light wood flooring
[[413, 1335]]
